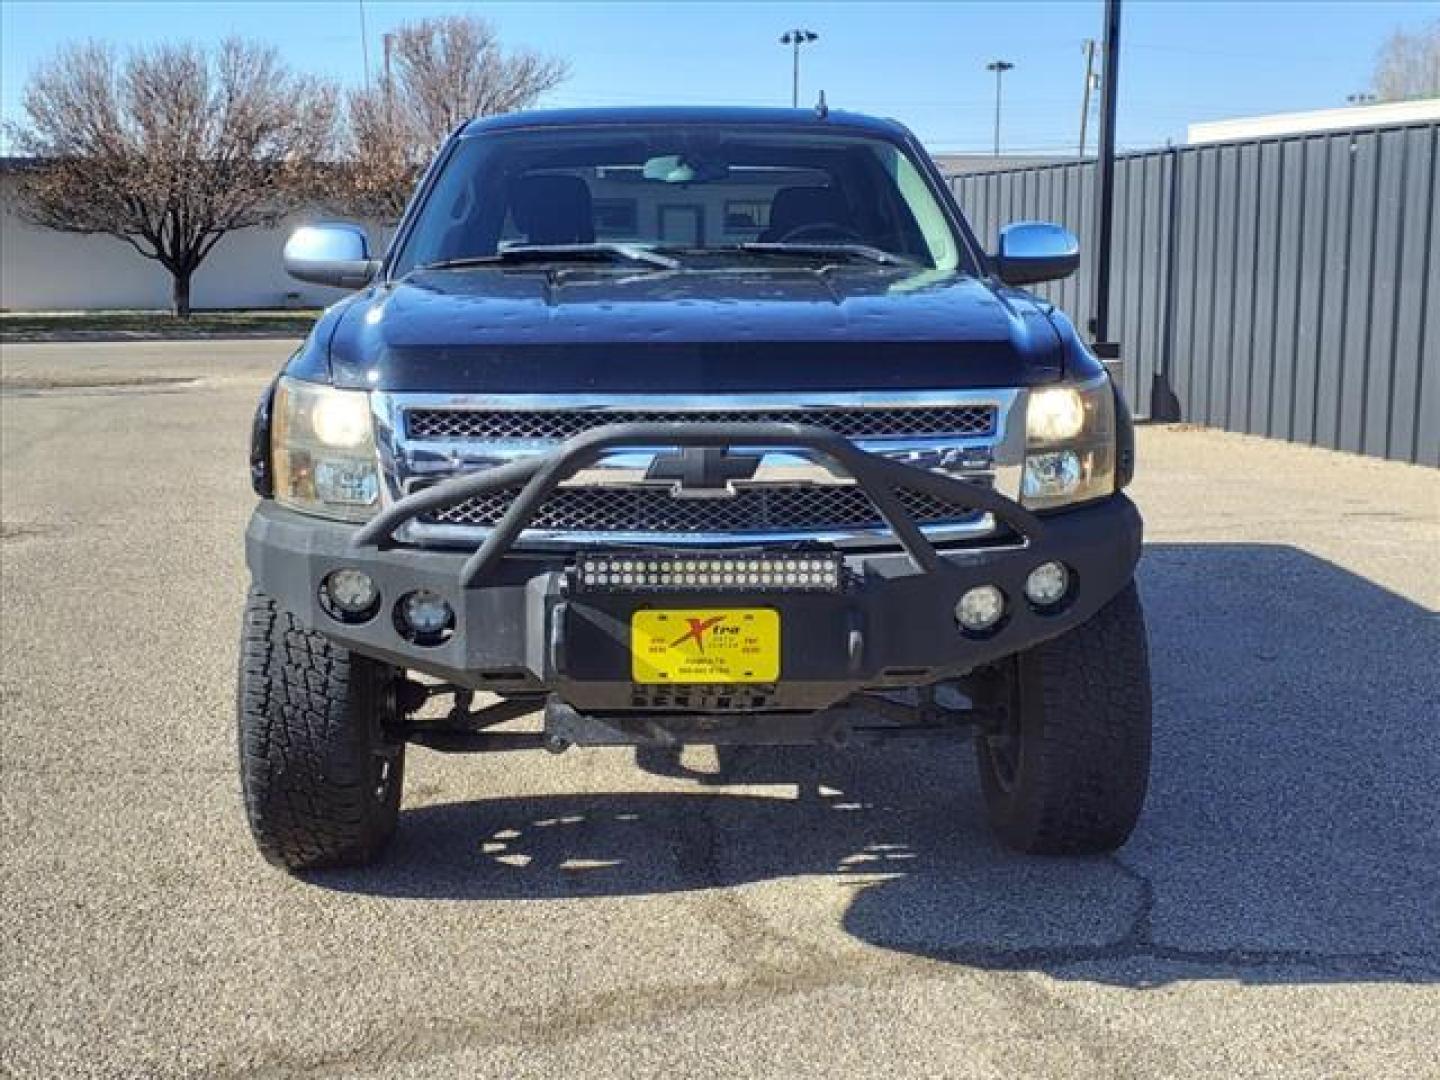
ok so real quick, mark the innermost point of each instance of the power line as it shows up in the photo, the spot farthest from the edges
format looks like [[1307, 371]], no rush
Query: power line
[[1308, 58]]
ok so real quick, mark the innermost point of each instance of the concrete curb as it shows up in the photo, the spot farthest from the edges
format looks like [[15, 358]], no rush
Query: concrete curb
[[30, 337]]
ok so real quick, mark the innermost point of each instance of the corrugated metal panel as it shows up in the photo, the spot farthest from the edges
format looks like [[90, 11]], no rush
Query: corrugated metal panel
[[1284, 287], [1418, 239], [1266, 315], [1389, 249], [1313, 167], [1427, 401]]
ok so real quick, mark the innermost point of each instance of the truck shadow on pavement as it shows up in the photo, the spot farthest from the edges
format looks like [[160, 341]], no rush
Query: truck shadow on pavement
[[1290, 833]]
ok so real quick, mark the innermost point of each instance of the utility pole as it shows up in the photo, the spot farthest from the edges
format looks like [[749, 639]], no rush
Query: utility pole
[[1105, 187], [999, 67], [796, 38], [386, 39], [364, 45], [1089, 83]]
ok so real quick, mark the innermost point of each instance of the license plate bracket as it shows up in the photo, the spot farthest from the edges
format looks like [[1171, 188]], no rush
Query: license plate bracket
[[697, 646]]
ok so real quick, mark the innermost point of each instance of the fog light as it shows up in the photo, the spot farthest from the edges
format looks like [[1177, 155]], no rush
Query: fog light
[[1047, 584], [351, 483], [980, 608], [424, 617], [1051, 476], [349, 595]]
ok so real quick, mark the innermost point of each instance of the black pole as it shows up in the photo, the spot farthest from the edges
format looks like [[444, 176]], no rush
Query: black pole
[[1105, 173]]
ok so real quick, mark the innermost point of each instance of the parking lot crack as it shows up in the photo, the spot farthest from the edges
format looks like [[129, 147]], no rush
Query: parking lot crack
[[1139, 945]]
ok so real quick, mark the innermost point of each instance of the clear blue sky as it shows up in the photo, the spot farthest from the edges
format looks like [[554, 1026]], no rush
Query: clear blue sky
[[923, 63]]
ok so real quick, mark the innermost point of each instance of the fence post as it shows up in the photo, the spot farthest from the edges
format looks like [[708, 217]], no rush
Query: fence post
[[1164, 405]]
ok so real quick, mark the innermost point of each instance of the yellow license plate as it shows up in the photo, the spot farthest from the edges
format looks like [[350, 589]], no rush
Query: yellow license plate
[[705, 645]]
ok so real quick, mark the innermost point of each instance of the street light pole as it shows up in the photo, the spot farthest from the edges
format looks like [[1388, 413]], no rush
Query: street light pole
[[1089, 85], [364, 45], [1105, 172], [999, 67], [796, 38]]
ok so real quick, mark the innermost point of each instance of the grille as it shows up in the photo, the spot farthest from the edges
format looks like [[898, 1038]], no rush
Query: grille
[[929, 420], [755, 510]]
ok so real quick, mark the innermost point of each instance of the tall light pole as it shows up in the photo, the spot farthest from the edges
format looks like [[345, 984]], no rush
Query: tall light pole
[[1090, 81], [364, 45], [999, 67], [796, 38], [387, 41]]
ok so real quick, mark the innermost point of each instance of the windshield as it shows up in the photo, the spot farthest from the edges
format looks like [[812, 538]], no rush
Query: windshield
[[737, 193]]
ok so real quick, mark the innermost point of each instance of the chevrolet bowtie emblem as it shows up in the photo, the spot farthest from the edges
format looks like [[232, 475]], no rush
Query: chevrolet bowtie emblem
[[702, 470]]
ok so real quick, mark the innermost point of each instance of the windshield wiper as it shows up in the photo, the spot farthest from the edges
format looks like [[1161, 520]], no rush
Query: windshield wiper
[[856, 251], [539, 253]]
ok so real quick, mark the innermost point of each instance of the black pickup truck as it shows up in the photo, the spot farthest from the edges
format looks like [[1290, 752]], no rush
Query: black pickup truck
[[672, 426]]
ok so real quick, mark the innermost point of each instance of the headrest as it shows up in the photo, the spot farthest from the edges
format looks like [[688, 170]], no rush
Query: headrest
[[793, 207], [553, 209]]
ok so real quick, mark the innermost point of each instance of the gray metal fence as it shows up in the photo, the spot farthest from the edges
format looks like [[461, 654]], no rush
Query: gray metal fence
[[1287, 287]]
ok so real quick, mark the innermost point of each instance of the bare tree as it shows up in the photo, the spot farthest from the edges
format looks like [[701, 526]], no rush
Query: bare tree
[[439, 72], [1408, 65], [171, 148]]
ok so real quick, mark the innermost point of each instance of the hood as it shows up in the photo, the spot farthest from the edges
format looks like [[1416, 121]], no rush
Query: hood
[[530, 329]]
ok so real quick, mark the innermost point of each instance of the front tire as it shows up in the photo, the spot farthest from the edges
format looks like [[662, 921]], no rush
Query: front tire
[[320, 777], [1068, 773]]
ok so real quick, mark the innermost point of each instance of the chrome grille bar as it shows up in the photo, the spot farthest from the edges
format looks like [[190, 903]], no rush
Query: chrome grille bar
[[964, 421], [767, 510], [425, 438]]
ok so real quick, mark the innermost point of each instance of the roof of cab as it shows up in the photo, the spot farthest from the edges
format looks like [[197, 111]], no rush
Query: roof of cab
[[688, 114]]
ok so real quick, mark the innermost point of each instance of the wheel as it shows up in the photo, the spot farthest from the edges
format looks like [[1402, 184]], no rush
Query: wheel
[[1067, 774], [321, 781]]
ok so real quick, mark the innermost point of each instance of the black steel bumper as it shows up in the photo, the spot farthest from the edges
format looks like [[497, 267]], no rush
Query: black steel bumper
[[522, 623]]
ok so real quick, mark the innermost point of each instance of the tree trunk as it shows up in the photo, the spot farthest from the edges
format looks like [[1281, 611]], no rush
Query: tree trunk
[[180, 293]]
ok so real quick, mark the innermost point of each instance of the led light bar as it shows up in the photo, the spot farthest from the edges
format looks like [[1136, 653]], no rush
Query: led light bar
[[661, 572]]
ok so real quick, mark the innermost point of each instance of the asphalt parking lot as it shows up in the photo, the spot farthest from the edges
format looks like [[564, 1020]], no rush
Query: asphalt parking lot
[[796, 914]]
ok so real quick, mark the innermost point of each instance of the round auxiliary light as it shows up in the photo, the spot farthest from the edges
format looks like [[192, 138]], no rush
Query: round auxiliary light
[[980, 608], [1047, 584], [425, 617], [349, 595]]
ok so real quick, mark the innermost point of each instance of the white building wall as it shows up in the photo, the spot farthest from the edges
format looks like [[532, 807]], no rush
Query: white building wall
[[45, 270], [1342, 119]]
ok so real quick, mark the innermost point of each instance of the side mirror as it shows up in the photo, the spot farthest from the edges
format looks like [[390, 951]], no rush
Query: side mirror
[[1032, 251], [336, 254]]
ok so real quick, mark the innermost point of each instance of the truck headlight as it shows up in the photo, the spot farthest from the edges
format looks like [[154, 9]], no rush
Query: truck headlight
[[324, 451], [1070, 444]]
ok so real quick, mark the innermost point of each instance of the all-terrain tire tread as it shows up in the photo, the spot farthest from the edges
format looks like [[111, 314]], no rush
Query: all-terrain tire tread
[[1088, 738], [306, 713]]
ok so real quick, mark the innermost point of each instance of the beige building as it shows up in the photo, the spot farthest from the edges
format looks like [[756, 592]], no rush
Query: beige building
[[45, 270]]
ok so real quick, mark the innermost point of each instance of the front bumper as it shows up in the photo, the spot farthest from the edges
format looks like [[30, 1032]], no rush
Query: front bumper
[[522, 625]]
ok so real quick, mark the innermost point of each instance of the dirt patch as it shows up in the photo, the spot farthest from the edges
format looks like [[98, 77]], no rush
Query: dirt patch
[[11, 531], [33, 385]]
